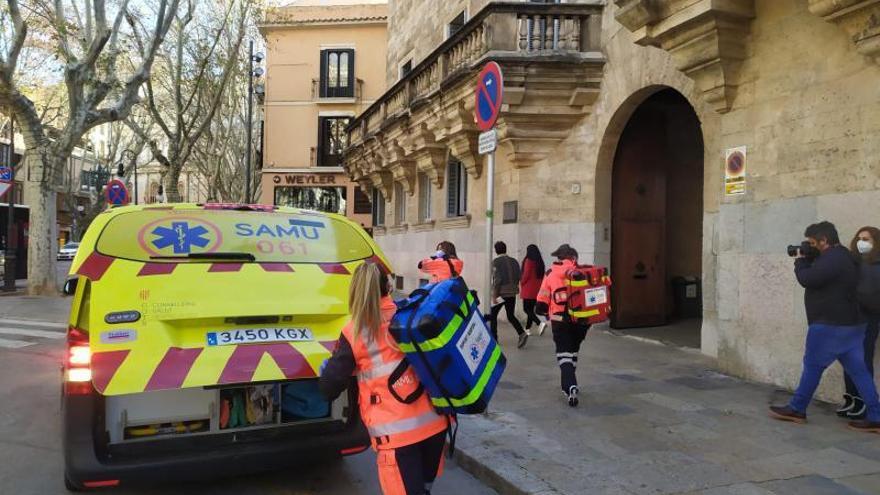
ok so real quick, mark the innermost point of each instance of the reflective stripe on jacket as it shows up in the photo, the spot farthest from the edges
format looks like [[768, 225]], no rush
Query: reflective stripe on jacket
[[391, 423], [554, 281], [438, 268]]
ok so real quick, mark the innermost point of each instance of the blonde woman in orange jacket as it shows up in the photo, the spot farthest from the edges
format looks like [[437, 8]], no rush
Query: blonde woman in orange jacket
[[406, 432]]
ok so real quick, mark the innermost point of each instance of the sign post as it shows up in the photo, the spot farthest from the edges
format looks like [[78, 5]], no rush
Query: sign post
[[489, 95]]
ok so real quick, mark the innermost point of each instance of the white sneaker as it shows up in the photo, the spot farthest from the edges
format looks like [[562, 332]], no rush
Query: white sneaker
[[541, 328], [573, 396]]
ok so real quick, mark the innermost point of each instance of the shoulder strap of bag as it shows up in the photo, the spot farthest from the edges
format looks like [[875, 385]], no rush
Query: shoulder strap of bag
[[451, 430], [451, 267]]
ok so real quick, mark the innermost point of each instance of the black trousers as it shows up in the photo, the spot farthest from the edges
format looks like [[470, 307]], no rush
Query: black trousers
[[529, 308], [568, 339], [412, 469], [870, 345], [509, 306]]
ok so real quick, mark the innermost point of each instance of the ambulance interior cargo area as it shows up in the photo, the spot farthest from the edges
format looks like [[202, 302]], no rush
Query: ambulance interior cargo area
[[190, 321], [171, 413]]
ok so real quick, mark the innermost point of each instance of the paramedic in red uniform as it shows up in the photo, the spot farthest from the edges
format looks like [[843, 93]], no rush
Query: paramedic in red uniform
[[406, 432], [442, 265], [567, 336]]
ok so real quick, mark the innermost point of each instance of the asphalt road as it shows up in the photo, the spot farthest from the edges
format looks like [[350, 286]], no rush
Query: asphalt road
[[30, 451]]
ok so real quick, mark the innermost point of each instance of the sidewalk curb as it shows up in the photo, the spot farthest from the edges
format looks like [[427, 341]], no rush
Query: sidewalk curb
[[506, 478], [497, 467]]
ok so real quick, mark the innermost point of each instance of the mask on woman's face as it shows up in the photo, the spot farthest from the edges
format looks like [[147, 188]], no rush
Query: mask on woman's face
[[864, 246]]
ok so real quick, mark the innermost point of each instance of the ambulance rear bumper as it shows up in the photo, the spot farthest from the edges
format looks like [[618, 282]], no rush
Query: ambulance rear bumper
[[89, 461]]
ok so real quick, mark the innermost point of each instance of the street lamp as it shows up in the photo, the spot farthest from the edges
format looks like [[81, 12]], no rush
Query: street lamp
[[121, 169], [252, 73]]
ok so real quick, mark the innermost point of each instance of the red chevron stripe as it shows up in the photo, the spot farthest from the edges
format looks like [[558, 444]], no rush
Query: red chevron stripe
[[94, 267], [156, 269], [104, 366], [335, 268], [276, 267], [330, 345], [224, 267], [245, 359], [173, 368]]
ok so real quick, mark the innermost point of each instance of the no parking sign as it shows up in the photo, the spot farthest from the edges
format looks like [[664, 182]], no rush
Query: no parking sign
[[5, 180], [490, 92], [116, 193]]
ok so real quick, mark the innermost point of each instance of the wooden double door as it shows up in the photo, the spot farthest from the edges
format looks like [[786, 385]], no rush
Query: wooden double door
[[646, 153]]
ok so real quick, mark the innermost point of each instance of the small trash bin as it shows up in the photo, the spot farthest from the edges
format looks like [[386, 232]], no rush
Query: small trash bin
[[687, 295]]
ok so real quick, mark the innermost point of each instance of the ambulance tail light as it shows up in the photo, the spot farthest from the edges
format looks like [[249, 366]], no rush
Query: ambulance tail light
[[77, 363]]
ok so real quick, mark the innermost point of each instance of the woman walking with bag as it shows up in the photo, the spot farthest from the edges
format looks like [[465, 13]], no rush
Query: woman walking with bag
[[406, 432], [866, 244], [529, 285]]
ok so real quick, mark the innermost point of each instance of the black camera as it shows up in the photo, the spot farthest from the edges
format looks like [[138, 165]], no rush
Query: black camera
[[803, 249]]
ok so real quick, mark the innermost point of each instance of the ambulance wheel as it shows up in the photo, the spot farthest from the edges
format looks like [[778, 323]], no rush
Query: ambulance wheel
[[70, 486]]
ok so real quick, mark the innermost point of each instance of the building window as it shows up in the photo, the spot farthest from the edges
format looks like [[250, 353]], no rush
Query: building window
[[456, 24], [332, 140], [326, 199], [424, 198], [456, 189], [405, 69], [398, 282], [337, 73], [362, 202], [378, 207], [399, 204]]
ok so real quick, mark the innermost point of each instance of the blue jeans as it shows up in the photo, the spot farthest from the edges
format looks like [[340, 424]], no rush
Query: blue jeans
[[829, 343]]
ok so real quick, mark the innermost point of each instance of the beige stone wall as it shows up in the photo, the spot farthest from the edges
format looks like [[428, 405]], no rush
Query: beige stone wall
[[417, 27], [808, 109]]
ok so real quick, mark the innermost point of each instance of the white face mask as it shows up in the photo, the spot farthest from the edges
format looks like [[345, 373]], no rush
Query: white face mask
[[864, 246]]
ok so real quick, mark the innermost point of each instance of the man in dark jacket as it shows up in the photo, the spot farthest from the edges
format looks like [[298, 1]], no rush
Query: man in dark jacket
[[505, 286], [829, 273]]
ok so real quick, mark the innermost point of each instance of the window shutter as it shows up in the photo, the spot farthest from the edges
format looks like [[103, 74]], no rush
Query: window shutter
[[463, 189], [452, 190], [322, 140], [324, 78], [351, 77]]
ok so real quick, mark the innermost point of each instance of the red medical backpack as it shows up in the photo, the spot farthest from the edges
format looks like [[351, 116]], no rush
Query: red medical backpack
[[586, 294]]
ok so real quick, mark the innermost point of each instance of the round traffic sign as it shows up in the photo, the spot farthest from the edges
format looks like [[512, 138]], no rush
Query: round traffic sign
[[116, 193], [490, 92]]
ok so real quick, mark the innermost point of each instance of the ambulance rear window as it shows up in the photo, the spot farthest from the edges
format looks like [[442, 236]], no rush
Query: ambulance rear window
[[162, 235]]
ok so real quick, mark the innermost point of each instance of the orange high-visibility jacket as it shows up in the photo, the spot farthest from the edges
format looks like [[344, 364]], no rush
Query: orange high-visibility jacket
[[390, 422], [553, 282], [438, 268]]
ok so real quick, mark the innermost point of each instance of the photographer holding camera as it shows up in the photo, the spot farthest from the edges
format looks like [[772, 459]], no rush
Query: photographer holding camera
[[830, 274]]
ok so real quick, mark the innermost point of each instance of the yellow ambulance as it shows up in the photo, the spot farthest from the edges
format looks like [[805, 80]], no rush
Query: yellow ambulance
[[195, 338]]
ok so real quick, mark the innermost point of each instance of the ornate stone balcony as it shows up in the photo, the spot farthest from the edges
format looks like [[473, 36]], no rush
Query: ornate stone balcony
[[552, 68]]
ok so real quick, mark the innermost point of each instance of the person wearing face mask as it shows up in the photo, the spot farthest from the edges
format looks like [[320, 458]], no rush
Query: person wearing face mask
[[830, 274], [867, 244], [443, 264]]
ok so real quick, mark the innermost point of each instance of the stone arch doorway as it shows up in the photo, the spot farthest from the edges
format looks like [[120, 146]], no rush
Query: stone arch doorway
[[656, 214]]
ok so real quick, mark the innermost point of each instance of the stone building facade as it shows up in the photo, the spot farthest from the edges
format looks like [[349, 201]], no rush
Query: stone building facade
[[664, 139]]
